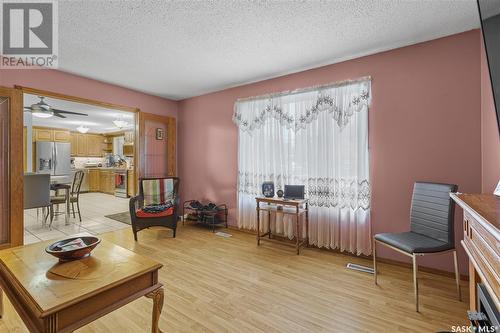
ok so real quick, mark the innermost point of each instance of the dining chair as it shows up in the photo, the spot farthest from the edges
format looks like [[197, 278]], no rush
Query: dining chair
[[431, 229], [74, 196], [37, 192]]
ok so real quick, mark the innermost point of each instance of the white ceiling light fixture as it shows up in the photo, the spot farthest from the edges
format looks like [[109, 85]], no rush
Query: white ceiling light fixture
[[41, 113], [120, 123], [82, 129]]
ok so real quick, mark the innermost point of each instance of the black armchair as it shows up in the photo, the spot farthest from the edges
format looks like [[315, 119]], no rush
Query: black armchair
[[155, 191]]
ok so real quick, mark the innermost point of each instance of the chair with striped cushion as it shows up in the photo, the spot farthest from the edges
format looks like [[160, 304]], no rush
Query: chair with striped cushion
[[156, 205]]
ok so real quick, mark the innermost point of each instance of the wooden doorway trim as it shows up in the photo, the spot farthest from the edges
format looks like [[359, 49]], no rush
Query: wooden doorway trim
[[15, 166], [171, 136], [76, 99], [40, 92]]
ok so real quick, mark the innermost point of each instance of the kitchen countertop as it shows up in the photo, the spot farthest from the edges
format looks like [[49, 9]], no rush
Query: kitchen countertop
[[105, 168]]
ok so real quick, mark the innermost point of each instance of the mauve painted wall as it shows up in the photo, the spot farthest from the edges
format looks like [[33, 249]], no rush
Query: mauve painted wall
[[69, 84], [490, 137], [425, 124]]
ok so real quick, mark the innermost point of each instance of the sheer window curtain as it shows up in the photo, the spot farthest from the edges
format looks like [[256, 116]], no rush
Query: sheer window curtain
[[317, 138]]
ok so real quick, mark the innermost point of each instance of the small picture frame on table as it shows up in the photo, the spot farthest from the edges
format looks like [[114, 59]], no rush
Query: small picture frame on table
[[160, 134]]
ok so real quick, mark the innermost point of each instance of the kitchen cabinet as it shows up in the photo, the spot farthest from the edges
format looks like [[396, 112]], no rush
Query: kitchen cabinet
[[81, 144], [107, 181], [102, 180], [131, 183], [50, 134], [43, 134], [87, 145], [94, 145], [128, 150], [73, 142], [94, 180], [61, 135]]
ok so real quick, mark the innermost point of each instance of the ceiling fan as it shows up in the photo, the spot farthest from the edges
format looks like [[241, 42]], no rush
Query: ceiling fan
[[43, 110]]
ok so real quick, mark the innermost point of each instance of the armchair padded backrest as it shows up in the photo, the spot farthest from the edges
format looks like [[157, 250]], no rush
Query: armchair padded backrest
[[432, 211], [36, 190], [158, 190]]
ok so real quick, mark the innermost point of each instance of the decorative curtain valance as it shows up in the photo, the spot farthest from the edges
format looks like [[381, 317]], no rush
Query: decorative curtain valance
[[317, 137], [340, 100]]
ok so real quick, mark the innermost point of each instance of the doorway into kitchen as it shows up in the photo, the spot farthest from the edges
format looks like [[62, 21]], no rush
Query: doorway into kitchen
[[79, 166]]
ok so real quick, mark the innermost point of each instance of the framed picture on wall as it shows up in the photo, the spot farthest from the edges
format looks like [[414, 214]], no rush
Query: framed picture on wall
[[160, 134]]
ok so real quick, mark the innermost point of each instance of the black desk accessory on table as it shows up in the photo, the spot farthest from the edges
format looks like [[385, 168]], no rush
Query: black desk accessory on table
[[294, 192]]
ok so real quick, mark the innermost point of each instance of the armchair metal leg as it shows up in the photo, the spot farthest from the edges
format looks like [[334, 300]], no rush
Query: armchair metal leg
[[375, 259], [415, 280], [457, 275]]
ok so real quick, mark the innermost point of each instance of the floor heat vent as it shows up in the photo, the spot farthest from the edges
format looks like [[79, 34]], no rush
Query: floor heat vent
[[360, 268]]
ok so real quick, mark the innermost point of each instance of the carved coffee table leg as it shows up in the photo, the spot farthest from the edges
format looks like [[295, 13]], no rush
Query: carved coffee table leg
[[157, 297]]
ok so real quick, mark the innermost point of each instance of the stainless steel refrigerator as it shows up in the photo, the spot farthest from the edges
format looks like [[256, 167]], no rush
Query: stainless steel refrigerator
[[54, 158]]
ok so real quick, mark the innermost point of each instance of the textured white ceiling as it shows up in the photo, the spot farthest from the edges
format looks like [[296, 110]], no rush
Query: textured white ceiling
[[179, 49], [99, 120]]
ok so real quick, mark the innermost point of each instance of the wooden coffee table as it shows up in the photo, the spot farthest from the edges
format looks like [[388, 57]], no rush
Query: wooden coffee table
[[61, 297]]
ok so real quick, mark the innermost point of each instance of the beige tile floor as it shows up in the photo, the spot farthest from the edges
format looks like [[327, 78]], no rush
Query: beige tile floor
[[93, 207]]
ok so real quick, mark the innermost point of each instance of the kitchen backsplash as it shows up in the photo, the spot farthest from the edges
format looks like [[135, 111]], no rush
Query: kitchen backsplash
[[80, 161]]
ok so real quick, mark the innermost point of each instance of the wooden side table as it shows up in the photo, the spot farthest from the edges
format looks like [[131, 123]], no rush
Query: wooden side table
[[286, 207], [61, 297]]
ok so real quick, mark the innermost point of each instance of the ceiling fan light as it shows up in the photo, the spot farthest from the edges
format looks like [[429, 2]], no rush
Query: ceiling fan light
[[42, 114], [82, 129]]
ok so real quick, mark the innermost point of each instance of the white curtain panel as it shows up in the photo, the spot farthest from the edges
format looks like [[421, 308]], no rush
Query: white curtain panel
[[317, 138]]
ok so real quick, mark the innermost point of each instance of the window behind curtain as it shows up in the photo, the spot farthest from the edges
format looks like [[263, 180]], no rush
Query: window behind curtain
[[317, 138]]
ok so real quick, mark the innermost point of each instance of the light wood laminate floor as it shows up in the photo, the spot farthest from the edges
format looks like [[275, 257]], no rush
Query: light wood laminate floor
[[215, 284]]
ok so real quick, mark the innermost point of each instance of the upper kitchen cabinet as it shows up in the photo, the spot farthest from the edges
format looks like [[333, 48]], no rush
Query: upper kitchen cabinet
[[43, 134], [61, 135], [50, 134], [81, 144], [74, 144], [94, 145], [86, 145]]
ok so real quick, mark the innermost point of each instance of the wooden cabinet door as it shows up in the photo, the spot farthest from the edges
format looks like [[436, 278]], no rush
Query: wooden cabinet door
[[94, 145], [98, 143], [104, 181], [61, 136], [94, 180], [111, 183], [43, 134], [81, 145], [74, 145], [90, 145]]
